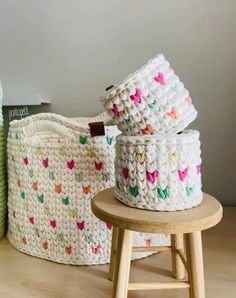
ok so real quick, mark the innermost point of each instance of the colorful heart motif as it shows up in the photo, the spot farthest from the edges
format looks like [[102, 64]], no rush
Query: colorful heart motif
[[62, 151], [39, 151], [117, 184], [183, 174], [60, 237], [58, 188], [98, 166], [172, 113], [109, 140], [159, 78], [46, 210], [86, 189], [109, 226], [96, 249], [68, 250], [154, 106], [148, 242], [105, 177], [80, 225], [70, 164], [90, 153], [133, 191], [65, 201], [31, 220], [73, 212], [115, 111], [31, 173], [40, 198], [163, 193], [136, 97], [125, 173], [82, 140], [22, 194], [189, 190], [53, 223], [78, 177], [51, 176], [140, 157], [23, 240], [173, 155], [35, 185], [89, 239], [198, 167], [45, 163], [152, 176], [45, 245], [14, 214], [36, 231], [18, 183], [147, 130], [130, 121], [26, 161]]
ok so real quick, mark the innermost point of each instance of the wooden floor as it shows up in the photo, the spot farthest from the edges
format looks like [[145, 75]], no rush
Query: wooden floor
[[25, 276]]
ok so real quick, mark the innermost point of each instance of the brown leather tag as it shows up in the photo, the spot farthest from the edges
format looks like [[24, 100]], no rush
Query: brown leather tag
[[97, 129]]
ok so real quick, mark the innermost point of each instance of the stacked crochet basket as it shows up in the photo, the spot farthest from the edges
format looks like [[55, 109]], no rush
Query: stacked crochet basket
[[3, 183], [158, 164], [55, 167]]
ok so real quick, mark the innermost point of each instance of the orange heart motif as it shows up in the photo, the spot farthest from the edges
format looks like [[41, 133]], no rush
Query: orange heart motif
[[45, 245], [68, 250], [86, 189], [58, 188], [147, 130], [172, 113], [35, 185]]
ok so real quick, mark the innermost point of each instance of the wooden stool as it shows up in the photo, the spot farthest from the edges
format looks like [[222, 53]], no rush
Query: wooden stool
[[181, 225]]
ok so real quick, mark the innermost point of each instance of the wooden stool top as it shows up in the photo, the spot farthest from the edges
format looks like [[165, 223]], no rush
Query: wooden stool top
[[107, 208]]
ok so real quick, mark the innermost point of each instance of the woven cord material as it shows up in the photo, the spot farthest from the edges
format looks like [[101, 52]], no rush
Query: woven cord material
[[150, 101], [52, 178], [159, 172]]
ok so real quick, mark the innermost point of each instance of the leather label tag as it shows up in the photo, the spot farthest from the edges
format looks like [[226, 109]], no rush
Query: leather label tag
[[97, 129]]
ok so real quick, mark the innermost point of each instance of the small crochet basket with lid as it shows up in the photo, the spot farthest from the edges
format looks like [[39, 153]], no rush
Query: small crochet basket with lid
[[159, 172], [150, 101], [3, 181], [55, 168]]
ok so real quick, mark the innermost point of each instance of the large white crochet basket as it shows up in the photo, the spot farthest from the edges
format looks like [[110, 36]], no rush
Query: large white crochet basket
[[159, 172], [55, 168], [150, 101]]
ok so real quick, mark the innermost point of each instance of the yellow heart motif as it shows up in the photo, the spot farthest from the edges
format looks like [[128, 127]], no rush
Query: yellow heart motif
[[62, 151], [140, 157], [90, 153], [38, 151], [173, 155], [73, 212], [46, 210]]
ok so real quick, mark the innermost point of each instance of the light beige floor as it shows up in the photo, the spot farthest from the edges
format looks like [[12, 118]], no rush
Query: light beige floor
[[22, 276]]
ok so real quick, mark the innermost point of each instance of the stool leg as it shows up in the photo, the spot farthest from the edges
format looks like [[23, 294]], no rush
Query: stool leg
[[195, 265], [113, 253], [178, 269], [122, 267]]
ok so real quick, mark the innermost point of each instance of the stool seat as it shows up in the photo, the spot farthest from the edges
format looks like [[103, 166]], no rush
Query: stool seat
[[106, 207]]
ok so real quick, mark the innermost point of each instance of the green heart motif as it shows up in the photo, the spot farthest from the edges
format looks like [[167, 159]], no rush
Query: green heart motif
[[60, 237], [89, 239], [155, 106], [78, 177], [117, 184], [36, 232], [133, 191], [51, 176], [130, 121], [18, 227], [105, 177], [163, 193], [189, 190], [31, 173], [22, 195], [40, 198], [82, 140], [65, 201], [109, 140]]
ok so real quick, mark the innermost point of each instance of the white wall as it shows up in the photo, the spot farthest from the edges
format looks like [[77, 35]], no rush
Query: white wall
[[71, 50]]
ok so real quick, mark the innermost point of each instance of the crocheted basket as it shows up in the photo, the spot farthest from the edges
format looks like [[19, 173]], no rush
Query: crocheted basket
[[55, 168], [3, 182], [159, 172], [150, 101]]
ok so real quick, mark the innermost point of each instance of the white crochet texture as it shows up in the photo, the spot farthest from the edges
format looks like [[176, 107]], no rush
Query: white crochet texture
[[55, 168], [150, 101], [159, 172]]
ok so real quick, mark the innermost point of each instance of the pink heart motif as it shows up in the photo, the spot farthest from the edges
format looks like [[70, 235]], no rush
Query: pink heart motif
[[14, 214], [160, 78], [31, 220], [70, 164], [115, 110], [136, 97], [80, 225], [98, 165], [45, 162], [183, 174], [109, 226], [152, 176], [25, 160], [53, 223], [198, 169], [125, 172]]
